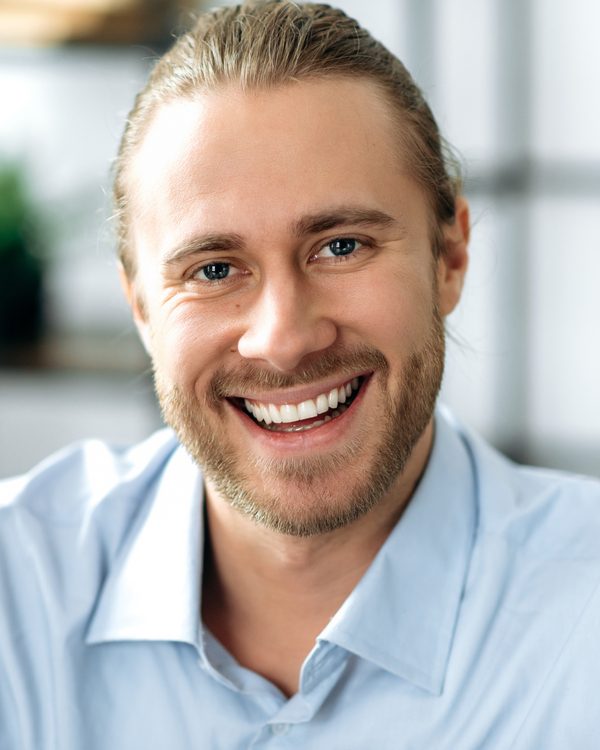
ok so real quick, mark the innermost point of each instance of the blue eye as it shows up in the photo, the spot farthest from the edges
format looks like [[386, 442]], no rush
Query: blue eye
[[215, 271], [343, 245], [339, 247]]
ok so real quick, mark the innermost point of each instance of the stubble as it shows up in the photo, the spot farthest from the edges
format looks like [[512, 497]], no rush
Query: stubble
[[305, 496]]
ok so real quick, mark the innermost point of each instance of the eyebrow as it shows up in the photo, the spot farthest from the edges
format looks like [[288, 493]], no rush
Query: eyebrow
[[305, 225], [208, 243], [322, 222]]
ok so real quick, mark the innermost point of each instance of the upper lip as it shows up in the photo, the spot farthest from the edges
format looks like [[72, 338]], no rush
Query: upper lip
[[297, 395]]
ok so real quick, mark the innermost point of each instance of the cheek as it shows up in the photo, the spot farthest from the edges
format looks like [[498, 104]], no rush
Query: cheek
[[393, 312], [188, 344]]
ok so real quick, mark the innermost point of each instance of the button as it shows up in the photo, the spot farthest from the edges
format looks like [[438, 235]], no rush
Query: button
[[279, 729]]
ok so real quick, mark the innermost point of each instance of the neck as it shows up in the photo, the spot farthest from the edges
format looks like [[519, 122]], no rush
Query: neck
[[261, 586]]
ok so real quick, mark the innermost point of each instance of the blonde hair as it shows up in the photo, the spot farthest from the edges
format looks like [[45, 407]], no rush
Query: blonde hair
[[260, 45]]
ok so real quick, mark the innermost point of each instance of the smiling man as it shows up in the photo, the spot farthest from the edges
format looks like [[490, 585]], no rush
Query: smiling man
[[286, 288], [311, 556]]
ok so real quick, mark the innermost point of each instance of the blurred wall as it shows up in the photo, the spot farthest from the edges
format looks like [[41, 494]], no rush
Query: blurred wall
[[63, 110], [514, 86]]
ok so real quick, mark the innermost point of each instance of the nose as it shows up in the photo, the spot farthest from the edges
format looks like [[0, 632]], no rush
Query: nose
[[286, 324]]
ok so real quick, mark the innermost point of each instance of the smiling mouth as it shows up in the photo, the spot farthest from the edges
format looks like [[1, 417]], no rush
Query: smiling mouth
[[303, 416]]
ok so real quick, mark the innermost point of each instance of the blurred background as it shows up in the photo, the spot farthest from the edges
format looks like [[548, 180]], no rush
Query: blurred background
[[515, 86]]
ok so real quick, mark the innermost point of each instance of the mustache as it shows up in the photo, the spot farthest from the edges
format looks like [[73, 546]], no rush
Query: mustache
[[249, 377]]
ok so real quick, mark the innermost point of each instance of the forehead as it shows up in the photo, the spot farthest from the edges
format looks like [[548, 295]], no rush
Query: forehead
[[250, 160]]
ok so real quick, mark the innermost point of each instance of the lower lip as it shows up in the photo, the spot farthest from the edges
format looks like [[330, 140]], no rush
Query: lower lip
[[318, 438]]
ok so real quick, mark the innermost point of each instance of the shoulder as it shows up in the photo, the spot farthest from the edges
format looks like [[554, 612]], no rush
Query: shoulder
[[63, 523], [86, 490], [62, 486], [62, 527], [541, 511]]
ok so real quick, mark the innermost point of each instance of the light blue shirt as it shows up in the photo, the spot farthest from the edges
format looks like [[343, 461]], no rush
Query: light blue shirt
[[476, 627]]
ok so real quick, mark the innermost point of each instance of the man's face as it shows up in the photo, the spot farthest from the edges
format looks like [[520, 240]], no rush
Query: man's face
[[291, 302]]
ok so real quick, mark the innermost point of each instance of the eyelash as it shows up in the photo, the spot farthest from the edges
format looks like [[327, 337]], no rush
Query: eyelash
[[343, 258], [211, 282]]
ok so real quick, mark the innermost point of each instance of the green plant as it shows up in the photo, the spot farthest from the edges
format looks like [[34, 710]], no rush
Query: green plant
[[21, 267]]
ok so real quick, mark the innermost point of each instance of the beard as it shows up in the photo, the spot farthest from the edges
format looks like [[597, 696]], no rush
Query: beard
[[310, 495]]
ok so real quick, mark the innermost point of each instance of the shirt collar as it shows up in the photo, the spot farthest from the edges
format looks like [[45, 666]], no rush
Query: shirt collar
[[402, 614], [152, 590]]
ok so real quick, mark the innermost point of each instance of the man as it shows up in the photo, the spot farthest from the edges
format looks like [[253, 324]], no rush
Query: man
[[319, 559]]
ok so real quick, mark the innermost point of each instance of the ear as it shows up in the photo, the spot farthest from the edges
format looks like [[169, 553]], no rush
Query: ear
[[137, 309], [453, 262]]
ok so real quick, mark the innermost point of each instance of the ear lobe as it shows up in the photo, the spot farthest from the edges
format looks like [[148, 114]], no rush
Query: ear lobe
[[137, 310], [452, 265]]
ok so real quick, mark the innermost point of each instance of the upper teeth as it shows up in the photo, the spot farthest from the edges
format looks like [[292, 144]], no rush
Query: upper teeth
[[285, 413]]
